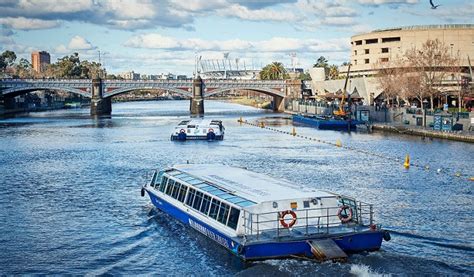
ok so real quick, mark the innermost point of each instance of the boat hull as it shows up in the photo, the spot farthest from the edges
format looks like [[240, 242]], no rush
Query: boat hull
[[176, 137], [261, 250], [327, 124]]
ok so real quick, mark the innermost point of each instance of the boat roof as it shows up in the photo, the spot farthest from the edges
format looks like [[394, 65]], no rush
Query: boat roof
[[200, 121], [253, 187]]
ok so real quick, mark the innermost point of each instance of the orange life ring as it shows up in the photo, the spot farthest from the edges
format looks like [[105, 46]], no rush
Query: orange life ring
[[182, 131], [345, 218], [282, 219], [210, 130]]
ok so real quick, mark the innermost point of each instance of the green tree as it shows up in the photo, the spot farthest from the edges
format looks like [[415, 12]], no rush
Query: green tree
[[333, 72], [274, 71], [68, 67], [305, 76], [7, 58], [23, 69], [321, 62]]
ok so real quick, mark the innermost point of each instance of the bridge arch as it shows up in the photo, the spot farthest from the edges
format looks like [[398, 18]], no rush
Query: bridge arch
[[267, 91], [129, 89], [22, 90]]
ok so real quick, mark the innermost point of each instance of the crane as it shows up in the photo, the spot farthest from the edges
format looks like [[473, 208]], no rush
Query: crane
[[341, 112]]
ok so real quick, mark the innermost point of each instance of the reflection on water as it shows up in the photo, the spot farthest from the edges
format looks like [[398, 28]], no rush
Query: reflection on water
[[71, 193]]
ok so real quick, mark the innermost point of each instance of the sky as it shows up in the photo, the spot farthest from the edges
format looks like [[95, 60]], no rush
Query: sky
[[162, 36]]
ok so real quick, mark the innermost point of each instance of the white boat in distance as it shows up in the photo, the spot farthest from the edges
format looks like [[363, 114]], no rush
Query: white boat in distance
[[192, 129], [257, 217]]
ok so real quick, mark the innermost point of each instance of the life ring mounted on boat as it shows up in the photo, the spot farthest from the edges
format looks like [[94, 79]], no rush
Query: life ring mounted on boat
[[347, 215], [182, 131], [210, 130], [282, 218]]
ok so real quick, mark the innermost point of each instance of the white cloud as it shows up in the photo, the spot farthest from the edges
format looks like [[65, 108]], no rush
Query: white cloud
[[381, 2], [276, 44], [258, 15], [22, 23], [80, 43], [123, 9], [57, 6]]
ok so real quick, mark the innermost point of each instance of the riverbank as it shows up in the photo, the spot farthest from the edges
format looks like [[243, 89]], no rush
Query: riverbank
[[421, 132], [249, 102]]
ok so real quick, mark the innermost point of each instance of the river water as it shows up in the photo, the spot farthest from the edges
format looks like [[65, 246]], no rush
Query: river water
[[70, 198]]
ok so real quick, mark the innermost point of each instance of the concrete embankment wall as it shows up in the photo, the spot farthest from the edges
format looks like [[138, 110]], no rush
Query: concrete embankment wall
[[424, 133]]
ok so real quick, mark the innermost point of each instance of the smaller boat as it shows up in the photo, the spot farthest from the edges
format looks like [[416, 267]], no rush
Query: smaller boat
[[198, 129], [327, 122]]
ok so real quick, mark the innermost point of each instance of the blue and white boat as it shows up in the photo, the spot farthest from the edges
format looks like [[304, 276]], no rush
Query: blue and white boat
[[258, 217], [203, 129]]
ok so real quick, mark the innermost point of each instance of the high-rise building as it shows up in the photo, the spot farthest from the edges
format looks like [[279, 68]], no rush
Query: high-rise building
[[39, 60]]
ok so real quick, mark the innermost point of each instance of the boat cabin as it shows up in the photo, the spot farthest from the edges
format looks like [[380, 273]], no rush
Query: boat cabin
[[243, 203]]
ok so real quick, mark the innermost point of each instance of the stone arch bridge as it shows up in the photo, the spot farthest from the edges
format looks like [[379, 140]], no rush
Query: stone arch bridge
[[101, 91]]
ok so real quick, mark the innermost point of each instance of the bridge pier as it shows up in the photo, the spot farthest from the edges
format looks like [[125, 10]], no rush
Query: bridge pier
[[99, 104], [196, 106], [278, 104]]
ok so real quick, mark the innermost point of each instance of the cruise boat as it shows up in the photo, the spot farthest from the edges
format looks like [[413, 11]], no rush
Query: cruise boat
[[206, 129], [257, 217]]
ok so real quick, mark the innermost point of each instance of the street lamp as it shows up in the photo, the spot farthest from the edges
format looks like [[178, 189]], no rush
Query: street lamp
[[425, 105]]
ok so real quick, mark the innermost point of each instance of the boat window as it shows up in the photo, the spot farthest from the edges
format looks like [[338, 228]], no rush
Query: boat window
[[190, 199], [163, 184], [214, 208], [159, 178], [246, 203], [202, 186], [175, 192], [233, 218], [173, 172], [197, 200], [182, 193], [206, 202], [170, 186], [191, 126], [195, 181], [211, 189], [187, 178], [227, 196], [235, 199], [219, 193], [181, 175], [223, 213]]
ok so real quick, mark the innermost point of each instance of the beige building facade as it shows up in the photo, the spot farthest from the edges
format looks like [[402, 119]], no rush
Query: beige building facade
[[370, 50]]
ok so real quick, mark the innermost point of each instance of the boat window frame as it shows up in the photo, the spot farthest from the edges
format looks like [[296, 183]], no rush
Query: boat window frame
[[175, 191], [238, 218], [170, 186], [183, 189], [163, 184]]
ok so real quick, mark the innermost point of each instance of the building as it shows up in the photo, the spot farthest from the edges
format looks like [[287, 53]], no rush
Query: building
[[130, 75], [39, 60], [370, 51]]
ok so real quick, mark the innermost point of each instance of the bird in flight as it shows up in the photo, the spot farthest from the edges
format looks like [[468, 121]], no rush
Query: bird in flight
[[433, 6]]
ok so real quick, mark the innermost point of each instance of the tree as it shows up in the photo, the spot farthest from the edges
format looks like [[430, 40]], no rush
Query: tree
[[390, 76], [23, 69], [274, 71], [321, 62], [431, 62], [7, 58], [304, 76], [68, 67], [333, 72]]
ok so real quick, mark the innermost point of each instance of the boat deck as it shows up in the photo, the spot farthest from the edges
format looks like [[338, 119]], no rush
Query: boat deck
[[303, 233]]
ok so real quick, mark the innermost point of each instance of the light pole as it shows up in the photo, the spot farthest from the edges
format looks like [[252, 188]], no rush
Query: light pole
[[425, 105]]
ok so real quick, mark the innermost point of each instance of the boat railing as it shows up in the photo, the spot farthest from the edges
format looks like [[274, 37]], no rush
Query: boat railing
[[308, 222]]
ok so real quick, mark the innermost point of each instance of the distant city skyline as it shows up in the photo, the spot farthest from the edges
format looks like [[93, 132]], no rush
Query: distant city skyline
[[153, 37]]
